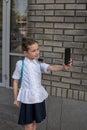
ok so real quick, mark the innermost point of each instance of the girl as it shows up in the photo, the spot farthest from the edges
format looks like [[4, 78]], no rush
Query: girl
[[32, 94]]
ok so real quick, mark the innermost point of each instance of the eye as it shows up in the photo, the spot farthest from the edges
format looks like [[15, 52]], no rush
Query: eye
[[37, 49], [33, 51]]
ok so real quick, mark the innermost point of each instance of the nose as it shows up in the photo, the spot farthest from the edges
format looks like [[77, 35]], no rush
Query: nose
[[37, 53]]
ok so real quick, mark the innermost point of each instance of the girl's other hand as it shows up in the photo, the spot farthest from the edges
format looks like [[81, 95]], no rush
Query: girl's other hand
[[16, 103]]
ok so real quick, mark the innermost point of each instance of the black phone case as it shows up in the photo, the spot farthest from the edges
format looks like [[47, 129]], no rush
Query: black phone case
[[67, 55]]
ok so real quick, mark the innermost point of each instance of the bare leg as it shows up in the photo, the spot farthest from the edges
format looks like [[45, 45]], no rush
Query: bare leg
[[34, 125], [31, 126]]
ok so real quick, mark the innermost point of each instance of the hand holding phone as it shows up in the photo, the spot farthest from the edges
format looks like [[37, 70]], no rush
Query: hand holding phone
[[67, 55]]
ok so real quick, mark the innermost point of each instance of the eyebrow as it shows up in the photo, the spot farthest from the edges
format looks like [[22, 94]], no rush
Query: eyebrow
[[36, 49]]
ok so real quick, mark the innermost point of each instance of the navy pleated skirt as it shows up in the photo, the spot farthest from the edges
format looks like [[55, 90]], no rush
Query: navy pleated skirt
[[32, 112]]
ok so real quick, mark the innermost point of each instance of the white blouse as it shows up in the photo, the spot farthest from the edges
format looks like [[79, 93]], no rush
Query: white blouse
[[31, 90]]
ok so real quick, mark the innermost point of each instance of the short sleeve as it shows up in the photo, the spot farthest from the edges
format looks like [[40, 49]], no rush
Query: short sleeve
[[44, 67], [17, 71]]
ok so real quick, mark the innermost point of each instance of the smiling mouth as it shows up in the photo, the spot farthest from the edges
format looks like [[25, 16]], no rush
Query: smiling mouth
[[37, 56]]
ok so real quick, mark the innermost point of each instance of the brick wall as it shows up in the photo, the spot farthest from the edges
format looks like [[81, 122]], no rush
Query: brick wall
[[57, 24]]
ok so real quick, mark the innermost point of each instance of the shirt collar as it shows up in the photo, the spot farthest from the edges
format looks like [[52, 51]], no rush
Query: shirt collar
[[28, 60]]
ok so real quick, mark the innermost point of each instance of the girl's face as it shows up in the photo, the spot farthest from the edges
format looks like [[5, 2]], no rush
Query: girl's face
[[33, 51]]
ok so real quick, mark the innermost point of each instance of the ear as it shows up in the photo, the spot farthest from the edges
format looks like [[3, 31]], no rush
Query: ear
[[25, 53]]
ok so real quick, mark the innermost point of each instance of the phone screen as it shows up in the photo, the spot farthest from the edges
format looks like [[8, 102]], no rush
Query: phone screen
[[67, 55]]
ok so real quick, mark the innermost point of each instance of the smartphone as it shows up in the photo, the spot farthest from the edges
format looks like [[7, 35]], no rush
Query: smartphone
[[67, 55]]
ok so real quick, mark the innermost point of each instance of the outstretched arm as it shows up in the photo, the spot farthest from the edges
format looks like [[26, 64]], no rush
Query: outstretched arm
[[60, 67]]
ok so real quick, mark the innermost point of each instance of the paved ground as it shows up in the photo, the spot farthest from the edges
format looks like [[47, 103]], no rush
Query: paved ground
[[62, 114]]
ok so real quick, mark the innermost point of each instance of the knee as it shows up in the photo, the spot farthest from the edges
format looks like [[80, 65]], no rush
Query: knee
[[29, 127]]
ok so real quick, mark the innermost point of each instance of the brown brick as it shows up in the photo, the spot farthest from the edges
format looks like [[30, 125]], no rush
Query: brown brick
[[81, 38], [31, 1], [81, 95], [54, 6], [85, 96], [43, 36], [85, 58], [36, 18], [54, 19], [53, 43], [64, 13], [77, 57], [64, 93], [75, 69], [75, 94], [81, 1], [44, 1], [57, 49], [84, 82], [75, 19], [71, 80], [79, 76], [72, 44], [74, 32], [64, 25], [45, 12], [70, 93], [53, 91], [81, 26], [61, 73], [65, 1], [80, 51], [63, 38], [52, 55], [78, 63], [59, 90], [44, 25], [81, 13], [44, 48], [61, 85], [46, 82], [36, 30], [78, 87], [48, 88], [36, 7], [53, 31], [50, 77], [75, 6]]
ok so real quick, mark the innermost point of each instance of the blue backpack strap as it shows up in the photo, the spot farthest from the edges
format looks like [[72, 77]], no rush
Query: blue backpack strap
[[22, 68]]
